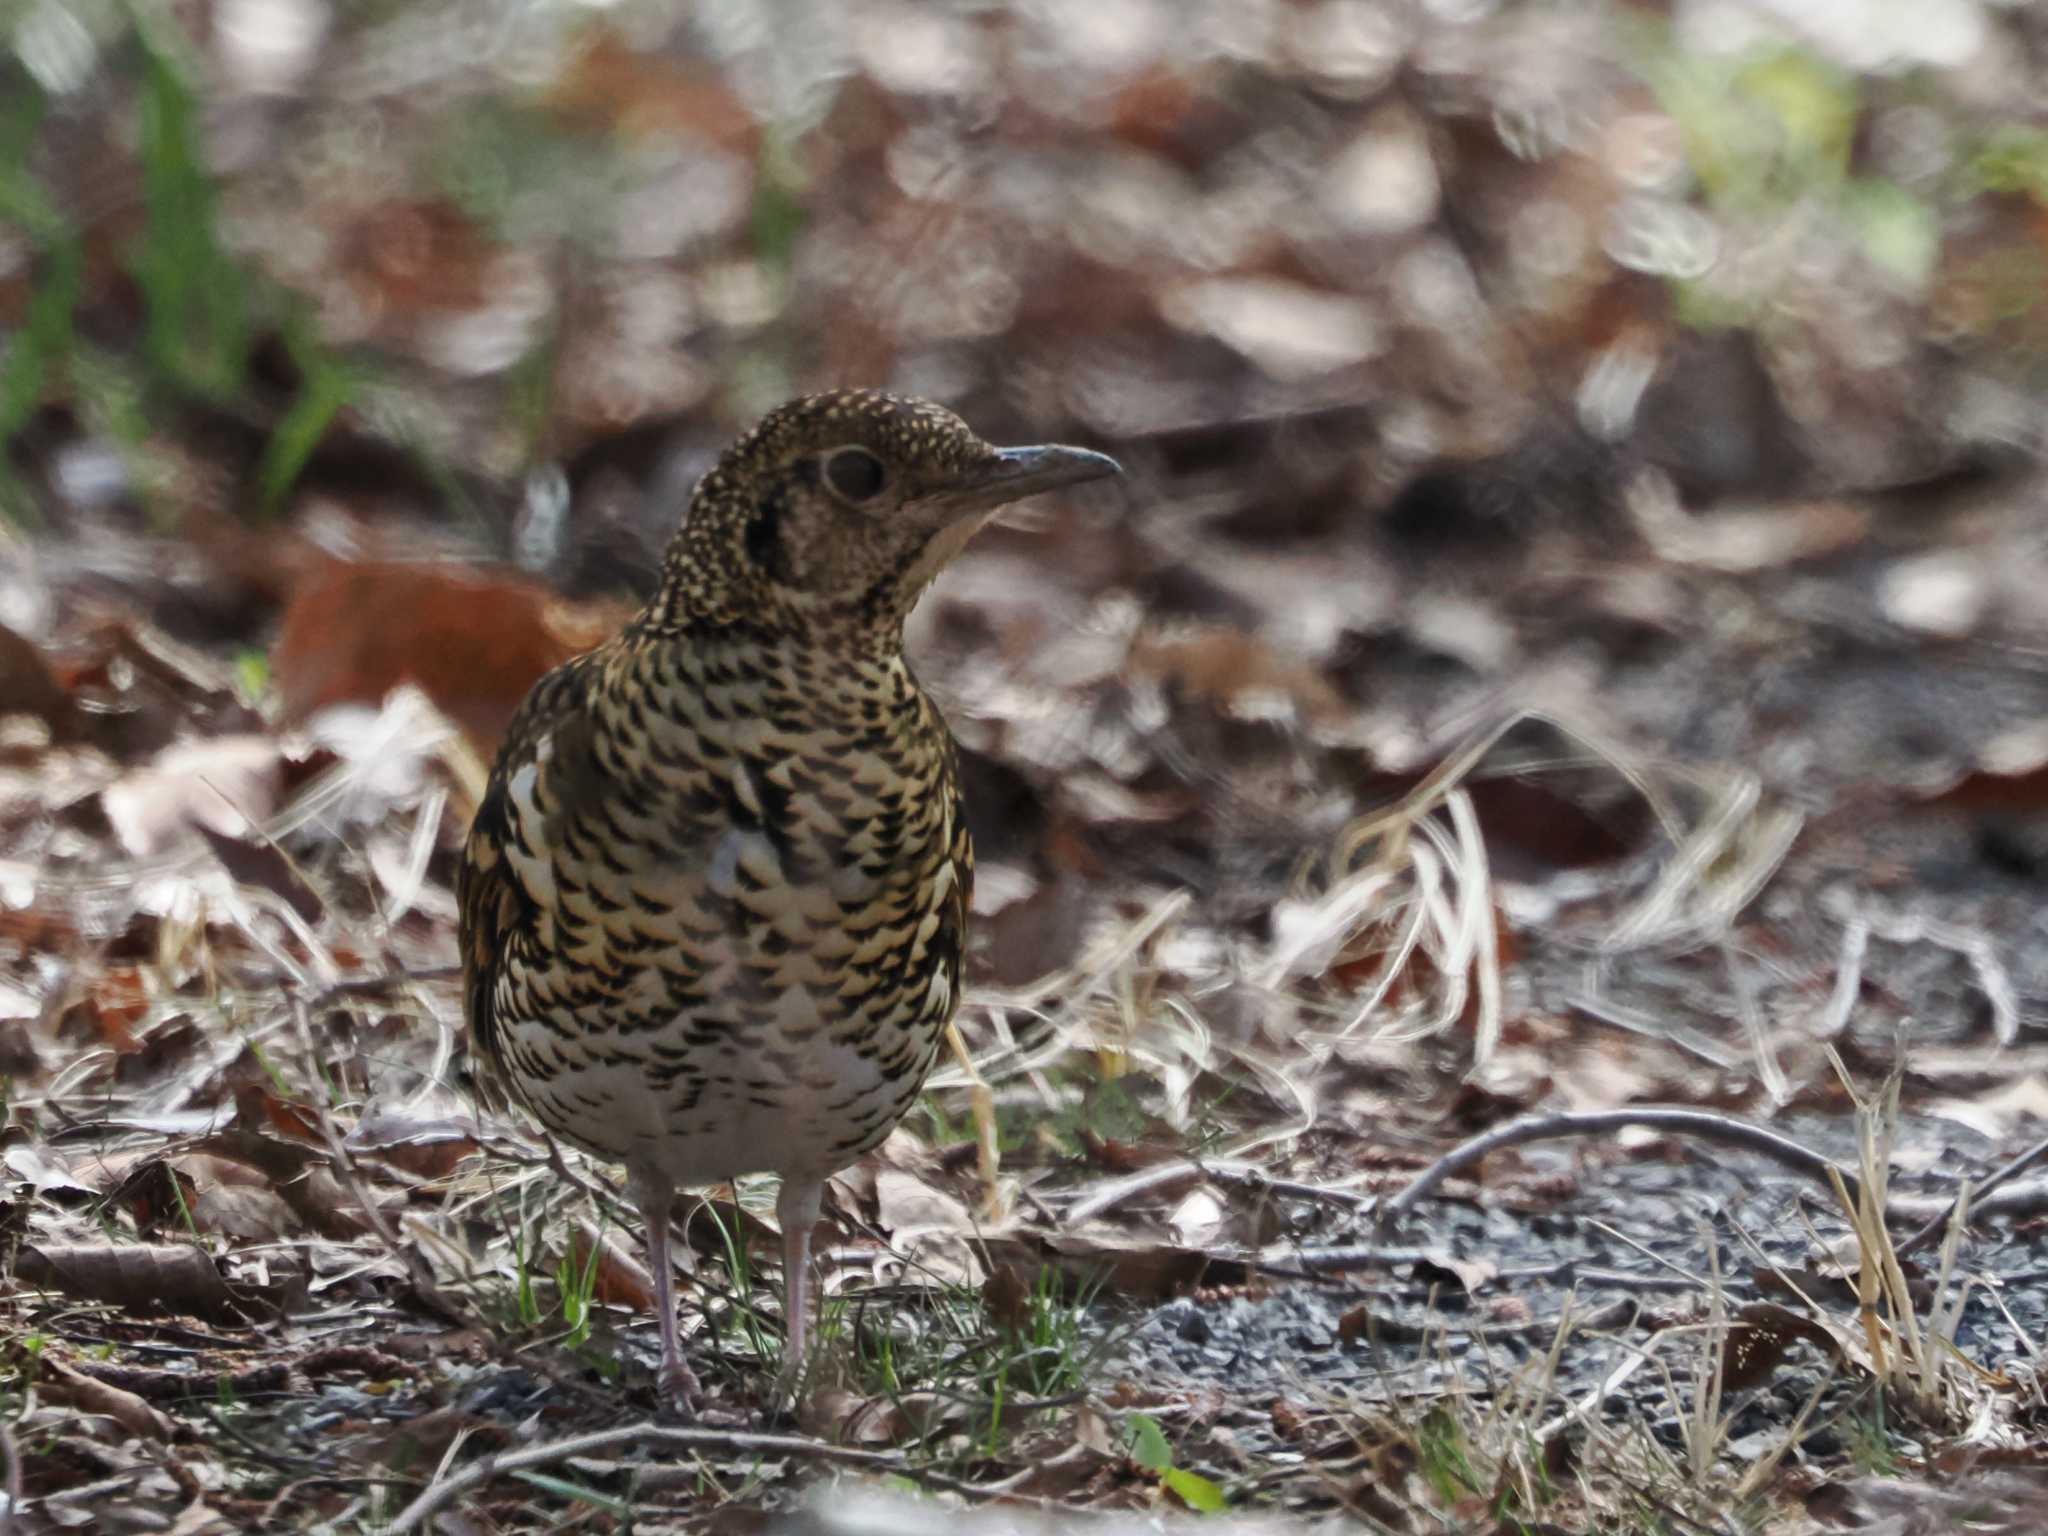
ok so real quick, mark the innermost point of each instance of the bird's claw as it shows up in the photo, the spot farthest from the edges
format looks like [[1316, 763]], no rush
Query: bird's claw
[[681, 1393]]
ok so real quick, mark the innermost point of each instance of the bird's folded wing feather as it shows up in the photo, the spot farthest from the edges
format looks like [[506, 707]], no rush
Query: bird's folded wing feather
[[497, 905]]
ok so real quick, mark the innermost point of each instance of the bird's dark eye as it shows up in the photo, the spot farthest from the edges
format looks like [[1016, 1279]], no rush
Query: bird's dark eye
[[854, 474]]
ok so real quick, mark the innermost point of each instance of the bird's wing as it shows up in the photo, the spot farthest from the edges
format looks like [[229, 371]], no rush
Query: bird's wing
[[496, 902]]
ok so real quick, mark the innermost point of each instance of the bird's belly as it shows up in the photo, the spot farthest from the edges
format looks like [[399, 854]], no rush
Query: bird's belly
[[728, 1108]]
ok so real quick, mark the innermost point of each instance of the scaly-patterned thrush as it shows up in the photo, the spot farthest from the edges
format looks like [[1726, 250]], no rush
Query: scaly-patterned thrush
[[714, 902]]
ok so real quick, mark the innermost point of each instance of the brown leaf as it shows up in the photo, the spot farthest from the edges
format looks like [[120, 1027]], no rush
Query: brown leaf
[[426, 1146], [704, 1223], [27, 686], [60, 1383], [1362, 1325], [1290, 1419], [116, 1004], [641, 95], [200, 1519], [411, 258], [847, 1418], [1468, 1274], [261, 863], [474, 644], [1237, 674], [906, 1206], [204, 1194], [425, 1438], [1006, 1297], [619, 1280], [1561, 1457], [141, 1277], [257, 1105], [298, 1173], [1149, 1270], [1760, 1339]]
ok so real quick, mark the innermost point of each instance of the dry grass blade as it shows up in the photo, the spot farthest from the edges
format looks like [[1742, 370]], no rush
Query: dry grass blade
[[1913, 1356]]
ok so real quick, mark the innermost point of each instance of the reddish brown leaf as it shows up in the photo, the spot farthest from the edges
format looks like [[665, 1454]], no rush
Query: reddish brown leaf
[[28, 687], [474, 644]]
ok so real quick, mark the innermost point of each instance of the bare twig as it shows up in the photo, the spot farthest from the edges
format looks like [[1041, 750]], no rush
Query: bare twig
[[2005, 1175], [445, 1490], [1685, 1122]]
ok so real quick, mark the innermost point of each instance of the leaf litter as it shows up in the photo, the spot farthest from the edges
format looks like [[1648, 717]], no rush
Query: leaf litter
[[1424, 841]]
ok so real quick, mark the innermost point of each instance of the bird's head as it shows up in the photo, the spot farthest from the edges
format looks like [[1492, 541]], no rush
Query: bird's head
[[836, 512]]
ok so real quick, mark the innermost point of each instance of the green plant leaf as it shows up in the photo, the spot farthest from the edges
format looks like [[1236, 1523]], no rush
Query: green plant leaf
[[568, 1490], [1900, 234], [1195, 1490], [197, 332], [327, 387], [2014, 158], [1148, 1444]]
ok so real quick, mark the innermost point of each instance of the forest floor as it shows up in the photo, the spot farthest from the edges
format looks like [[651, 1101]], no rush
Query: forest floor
[[1509, 986]]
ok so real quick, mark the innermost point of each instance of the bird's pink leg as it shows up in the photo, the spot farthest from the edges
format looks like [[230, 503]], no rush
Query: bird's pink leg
[[797, 1208], [678, 1383]]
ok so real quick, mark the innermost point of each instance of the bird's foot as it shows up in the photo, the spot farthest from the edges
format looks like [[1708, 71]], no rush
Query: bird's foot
[[680, 1392]]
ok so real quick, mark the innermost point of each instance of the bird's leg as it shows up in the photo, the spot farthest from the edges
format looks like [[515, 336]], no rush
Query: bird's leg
[[797, 1208], [678, 1383]]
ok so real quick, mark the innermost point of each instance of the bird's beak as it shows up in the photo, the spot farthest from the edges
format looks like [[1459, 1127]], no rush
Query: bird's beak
[[1015, 473]]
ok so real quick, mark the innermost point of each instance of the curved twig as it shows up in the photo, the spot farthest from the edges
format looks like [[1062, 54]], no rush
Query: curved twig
[[1689, 1122]]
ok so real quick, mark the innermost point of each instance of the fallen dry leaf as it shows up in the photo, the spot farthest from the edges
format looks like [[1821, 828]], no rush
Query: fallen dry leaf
[[195, 1192], [473, 643], [28, 687], [145, 1278], [223, 784], [200, 1519], [617, 1279], [61, 1383]]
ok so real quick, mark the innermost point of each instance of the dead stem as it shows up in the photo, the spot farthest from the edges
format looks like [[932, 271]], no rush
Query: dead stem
[[445, 1490], [1682, 1122]]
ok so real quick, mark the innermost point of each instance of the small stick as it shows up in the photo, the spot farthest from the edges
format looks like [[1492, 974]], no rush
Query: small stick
[[1692, 1122], [444, 1490]]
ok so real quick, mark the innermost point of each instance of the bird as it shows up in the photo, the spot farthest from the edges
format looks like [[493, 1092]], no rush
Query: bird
[[713, 903]]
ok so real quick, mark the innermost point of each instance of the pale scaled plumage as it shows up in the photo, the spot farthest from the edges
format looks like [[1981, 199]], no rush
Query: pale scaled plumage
[[714, 903]]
